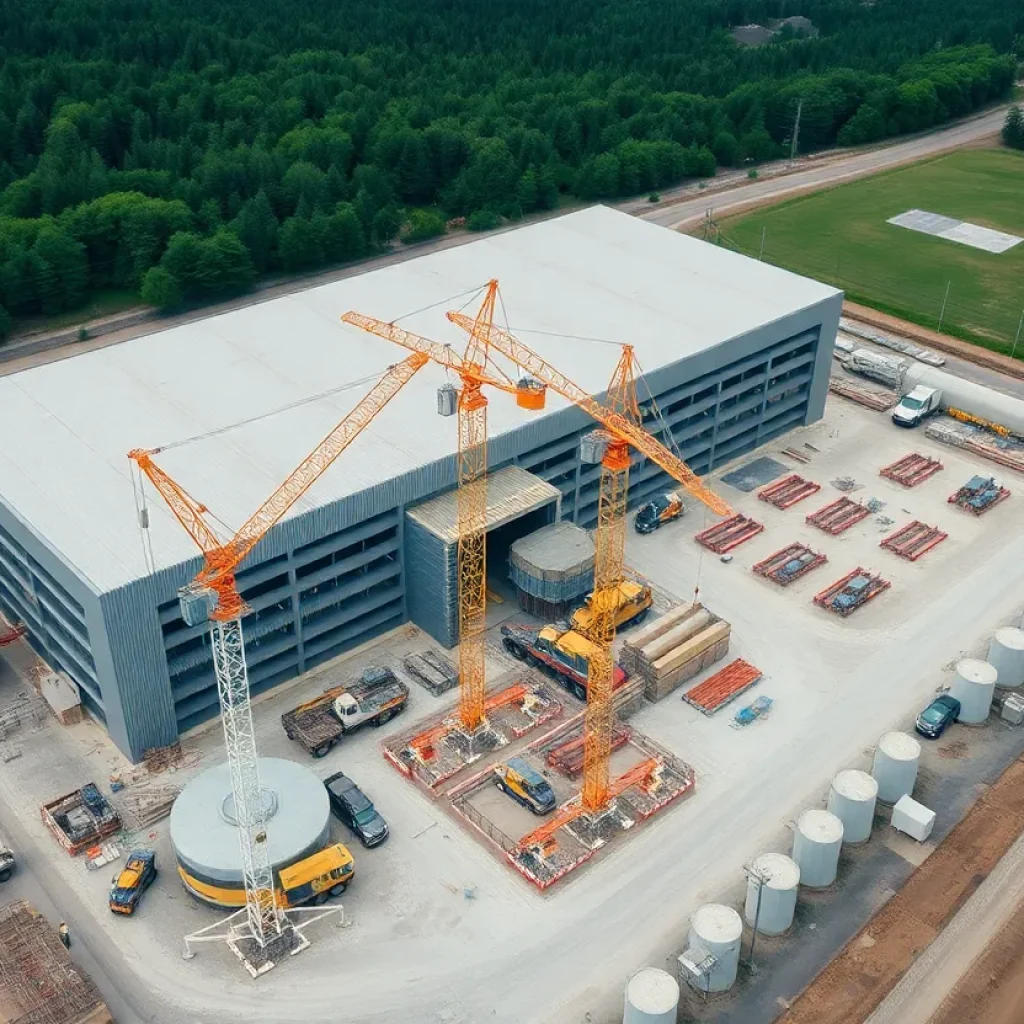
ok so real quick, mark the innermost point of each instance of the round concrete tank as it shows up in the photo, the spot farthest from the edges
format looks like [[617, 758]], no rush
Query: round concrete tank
[[777, 878], [974, 683], [717, 929], [895, 767], [1006, 656], [852, 800], [204, 832], [652, 997], [816, 844]]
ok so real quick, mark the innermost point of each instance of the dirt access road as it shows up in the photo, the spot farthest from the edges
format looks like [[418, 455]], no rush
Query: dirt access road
[[729, 193]]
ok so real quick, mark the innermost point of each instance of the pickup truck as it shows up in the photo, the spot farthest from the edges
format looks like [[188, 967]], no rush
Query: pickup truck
[[376, 697], [916, 405], [6, 862]]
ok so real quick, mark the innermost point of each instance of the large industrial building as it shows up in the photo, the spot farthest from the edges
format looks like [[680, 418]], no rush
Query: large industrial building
[[735, 352]]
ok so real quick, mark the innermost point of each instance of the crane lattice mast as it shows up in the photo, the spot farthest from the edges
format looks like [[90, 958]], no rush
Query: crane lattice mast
[[213, 595]]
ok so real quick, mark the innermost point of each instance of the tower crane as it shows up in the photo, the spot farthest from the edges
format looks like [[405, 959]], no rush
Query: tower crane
[[474, 369], [619, 417], [214, 596]]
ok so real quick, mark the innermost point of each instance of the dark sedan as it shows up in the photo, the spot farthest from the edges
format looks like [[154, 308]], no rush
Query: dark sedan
[[352, 806], [933, 720]]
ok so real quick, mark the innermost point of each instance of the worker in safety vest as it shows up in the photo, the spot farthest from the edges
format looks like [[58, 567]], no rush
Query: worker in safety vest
[[64, 935]]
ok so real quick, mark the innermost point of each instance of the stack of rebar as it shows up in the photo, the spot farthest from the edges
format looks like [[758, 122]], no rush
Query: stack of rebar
[[788, 491], [675, 648], [838, 516], [729, 533], [911, 469]]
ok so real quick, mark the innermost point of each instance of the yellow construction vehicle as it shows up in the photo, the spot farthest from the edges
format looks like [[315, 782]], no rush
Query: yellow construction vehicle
[[525, 785], [314, 879], [632, 603], [560, 652]]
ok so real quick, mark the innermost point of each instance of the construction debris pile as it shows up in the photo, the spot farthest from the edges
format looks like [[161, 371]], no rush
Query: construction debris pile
[[1006, 451], [81, 819], [146, 805], [979, 495], [39, 982], [675, 648]]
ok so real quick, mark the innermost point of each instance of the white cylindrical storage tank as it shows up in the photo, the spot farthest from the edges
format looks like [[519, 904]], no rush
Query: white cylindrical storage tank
[[776, 878], [974, 683], [977, 399], [652, 997], [895, 768], [717, 929], [852, 800], [1006, 656], [816, 844]]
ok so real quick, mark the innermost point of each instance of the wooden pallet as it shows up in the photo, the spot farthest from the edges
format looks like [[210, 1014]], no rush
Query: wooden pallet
[[914, 540], [725, 685], [729, 534], [911, 469], [788, 491], [840, 515]]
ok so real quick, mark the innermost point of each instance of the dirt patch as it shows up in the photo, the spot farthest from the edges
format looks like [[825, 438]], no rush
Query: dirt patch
[[992, 992], [955, 751], [856, 981]]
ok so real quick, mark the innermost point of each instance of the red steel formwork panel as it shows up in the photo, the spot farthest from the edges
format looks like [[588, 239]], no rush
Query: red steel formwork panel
[[716, 691], [787, 492], [911, 469], [568, 757], [851, 592], [729, 534], [789, 564], [840, 515], [913, 540]]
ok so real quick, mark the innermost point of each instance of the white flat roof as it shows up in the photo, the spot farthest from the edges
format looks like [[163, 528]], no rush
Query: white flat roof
[[599, 273]]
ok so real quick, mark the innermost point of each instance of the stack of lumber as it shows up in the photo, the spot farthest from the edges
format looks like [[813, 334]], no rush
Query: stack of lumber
[[675, 648]]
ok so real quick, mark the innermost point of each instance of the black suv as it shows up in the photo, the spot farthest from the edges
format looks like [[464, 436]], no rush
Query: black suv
[[352, 806], [933, 720]]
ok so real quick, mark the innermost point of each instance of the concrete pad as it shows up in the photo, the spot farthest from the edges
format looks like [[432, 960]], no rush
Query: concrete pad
[[974, 235]]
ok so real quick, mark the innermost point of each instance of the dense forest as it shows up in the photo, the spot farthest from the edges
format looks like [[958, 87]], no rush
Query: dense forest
[[181, 148]]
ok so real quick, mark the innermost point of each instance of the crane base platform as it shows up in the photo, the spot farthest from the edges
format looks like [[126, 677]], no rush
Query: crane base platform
[[437, 751], [545, 848]]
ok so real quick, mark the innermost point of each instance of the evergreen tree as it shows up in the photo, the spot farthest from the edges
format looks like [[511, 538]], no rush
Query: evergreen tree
[[160, 288], [1013, 128]]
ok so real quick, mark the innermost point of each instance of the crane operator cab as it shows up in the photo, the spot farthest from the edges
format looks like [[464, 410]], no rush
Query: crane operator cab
[[525, 785]]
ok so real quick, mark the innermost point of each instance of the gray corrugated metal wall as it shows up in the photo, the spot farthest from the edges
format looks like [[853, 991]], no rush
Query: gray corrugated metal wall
[[133, 635]]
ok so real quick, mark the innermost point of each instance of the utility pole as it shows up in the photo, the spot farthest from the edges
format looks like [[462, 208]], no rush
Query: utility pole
[[760, 254], [945, 299], [796, 129], [760, 879], [1013, 351]]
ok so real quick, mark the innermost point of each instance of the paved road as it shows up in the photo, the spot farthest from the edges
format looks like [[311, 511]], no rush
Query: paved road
[[934, 975], [830, 171]]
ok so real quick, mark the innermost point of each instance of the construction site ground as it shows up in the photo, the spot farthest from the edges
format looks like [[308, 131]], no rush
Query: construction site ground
[[440, 930]]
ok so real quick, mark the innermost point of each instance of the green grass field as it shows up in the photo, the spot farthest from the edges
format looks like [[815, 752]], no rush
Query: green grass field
[[841, 236]]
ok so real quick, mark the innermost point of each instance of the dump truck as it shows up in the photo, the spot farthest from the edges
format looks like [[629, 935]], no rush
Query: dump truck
[[131, 883], [525, 785], [557, 650], [314, 879], [634, 601], [7, 863], [376, 697]]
